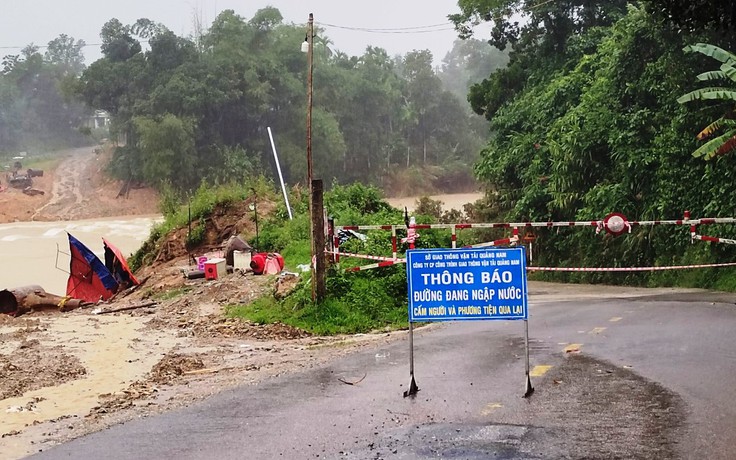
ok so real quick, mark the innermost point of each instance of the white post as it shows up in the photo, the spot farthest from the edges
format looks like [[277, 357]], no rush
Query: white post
[[281, 178]]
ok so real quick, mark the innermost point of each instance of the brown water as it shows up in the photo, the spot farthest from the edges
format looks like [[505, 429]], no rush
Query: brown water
[[37, 252], [449, 201]]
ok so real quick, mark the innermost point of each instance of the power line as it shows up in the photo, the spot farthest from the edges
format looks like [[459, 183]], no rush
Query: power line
[[398, 30], [441, 27], [388, 29]]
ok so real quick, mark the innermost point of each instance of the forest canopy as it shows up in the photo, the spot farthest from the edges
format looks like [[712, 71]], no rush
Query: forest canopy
[[187, 110], [194, 109], [585, 121]]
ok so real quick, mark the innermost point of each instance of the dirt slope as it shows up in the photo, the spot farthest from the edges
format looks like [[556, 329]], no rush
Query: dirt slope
[[76, 189]]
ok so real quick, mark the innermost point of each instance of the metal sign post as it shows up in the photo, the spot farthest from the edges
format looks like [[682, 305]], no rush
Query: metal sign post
[[413, 388], [467, 284], [529, 389]]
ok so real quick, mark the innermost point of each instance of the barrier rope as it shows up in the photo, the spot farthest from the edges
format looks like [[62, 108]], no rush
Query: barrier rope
[[614, 223], [362, 256], [714, 239], [627, 269], [512, 240], [589, 223], [386, 263]]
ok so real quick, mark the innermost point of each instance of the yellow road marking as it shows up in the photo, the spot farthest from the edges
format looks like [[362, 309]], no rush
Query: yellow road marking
[[597, 330], [615, 318], [490, 408], [538, 371], [573, 348]]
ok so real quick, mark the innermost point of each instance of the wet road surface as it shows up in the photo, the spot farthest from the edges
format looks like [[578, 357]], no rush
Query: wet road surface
[[616, 375]]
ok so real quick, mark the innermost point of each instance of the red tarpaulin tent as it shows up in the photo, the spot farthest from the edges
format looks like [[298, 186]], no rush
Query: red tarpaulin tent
[[89, 279]]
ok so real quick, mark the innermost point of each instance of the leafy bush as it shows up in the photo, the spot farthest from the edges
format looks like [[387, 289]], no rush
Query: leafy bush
[[356, 301]]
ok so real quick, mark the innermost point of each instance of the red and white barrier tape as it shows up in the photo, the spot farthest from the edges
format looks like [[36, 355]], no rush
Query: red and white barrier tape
[[591, 223], [713, 239], [503, 241], [362, 256], [386, 263], [626, 269]]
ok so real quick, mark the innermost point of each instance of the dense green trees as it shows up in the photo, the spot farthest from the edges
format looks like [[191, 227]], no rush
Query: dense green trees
[[585, 121], [373, 115]]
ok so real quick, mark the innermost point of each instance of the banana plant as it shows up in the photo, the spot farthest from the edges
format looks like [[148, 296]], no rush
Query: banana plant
[[724, 127]]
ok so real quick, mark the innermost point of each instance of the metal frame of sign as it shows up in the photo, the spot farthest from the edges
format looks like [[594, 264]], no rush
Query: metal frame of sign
[[466, 284]]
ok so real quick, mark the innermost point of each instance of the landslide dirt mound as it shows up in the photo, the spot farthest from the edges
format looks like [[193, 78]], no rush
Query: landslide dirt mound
[[226, 220], [174, 365], [32, 366]]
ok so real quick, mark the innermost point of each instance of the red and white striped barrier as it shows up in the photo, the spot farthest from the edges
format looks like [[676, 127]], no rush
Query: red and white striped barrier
[[589, 223], [626, 269], [386, 263], [501, 242], [713, 239], [614, 223], [362, 256]]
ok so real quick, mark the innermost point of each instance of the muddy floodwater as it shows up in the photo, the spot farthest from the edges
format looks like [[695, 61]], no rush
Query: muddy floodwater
[[37, 252]]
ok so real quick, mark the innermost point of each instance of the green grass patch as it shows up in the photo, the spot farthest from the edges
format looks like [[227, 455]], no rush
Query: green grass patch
[[331, 317], [356, 303]]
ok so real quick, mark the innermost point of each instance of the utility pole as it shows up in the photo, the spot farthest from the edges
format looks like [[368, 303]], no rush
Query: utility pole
[[310, 65], [316, 220]]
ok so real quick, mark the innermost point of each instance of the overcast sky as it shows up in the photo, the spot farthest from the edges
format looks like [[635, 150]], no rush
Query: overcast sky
[[40, 21]]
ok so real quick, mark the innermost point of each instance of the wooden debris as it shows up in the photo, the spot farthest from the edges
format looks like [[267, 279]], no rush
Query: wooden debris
[[352, 383], [126, 308]]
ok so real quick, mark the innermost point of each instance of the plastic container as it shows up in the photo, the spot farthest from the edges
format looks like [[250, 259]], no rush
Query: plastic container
[[214, 268]]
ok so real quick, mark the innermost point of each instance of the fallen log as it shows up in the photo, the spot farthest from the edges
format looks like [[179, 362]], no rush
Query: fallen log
[[25, 299]]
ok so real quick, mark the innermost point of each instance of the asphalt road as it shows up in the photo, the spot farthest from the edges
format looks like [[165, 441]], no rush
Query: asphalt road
[[617, 374]]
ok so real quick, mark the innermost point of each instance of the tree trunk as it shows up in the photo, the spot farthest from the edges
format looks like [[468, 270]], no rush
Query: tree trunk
[[21, 300]]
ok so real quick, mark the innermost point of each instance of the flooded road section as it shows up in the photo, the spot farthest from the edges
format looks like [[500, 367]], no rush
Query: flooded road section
[[37, 252]]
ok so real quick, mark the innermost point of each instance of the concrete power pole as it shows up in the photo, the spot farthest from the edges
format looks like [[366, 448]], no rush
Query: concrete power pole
[[316, 209]]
